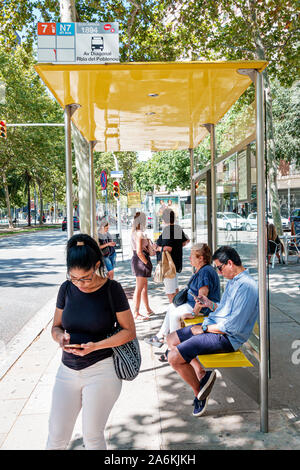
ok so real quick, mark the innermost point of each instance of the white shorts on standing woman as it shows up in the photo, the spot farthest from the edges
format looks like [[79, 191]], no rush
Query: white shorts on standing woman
[[95, 390], [171, 285]]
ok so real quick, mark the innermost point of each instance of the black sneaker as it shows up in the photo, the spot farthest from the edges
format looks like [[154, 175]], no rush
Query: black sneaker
[[199, 407], [206, 384]]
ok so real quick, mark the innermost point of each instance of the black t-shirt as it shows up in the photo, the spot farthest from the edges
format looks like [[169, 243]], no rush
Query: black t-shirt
[[88, 317], [103, 239], [174, 236]]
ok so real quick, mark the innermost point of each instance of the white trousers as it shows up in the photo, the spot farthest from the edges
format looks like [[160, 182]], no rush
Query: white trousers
[[172, 318], [95, 389]]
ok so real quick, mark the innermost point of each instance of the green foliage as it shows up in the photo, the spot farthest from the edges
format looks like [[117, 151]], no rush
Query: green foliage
[[159, 30], [37, 151], [286, 114], [105, 161], [169, 169]]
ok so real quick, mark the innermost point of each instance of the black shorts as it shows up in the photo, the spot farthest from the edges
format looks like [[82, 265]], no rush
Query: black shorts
[[206, 343]]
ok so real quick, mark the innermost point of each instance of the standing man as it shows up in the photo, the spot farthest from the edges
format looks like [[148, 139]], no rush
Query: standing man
[[227, 327], [172, 239]]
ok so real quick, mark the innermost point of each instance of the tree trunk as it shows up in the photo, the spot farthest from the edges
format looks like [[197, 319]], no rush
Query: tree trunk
[[82, 167], [81, 149], [28, 199], [67, 10], [271, 165], [7, 199], [41, 202]]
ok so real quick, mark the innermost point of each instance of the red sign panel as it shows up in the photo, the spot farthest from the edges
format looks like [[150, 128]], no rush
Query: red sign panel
[[47, 29]]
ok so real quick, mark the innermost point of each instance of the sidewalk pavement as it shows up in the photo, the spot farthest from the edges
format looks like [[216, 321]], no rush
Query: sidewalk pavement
[[154, 412]]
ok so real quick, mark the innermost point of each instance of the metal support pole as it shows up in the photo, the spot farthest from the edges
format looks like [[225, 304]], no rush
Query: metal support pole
[[211, 129], [193, 197], [118, 204], [261, 233], [68, 152], [92, 189], [213, 187]]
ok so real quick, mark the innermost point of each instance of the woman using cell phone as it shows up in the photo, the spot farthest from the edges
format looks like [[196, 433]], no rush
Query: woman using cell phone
[[86, 378]]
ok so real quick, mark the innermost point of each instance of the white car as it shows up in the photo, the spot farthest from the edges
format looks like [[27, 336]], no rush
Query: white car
[[251, 221], [230, 221]]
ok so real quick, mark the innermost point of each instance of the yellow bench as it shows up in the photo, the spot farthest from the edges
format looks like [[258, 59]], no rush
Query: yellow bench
[[233, 359], [193, 321]]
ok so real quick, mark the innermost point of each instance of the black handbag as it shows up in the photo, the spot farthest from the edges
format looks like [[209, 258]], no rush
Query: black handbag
[[181, 297], [127, 357]]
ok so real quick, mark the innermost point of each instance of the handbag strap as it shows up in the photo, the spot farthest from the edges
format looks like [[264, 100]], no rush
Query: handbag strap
[[190, 280], [193, 277], [110, 301]]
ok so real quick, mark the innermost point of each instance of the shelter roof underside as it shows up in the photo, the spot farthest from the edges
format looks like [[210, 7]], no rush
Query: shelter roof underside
[[147, 106]]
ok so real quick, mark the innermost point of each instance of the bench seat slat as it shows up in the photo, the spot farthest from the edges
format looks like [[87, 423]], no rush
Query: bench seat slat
[[234, 359]]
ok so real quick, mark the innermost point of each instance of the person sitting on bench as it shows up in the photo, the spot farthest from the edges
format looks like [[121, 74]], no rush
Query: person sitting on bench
[[227, 327]]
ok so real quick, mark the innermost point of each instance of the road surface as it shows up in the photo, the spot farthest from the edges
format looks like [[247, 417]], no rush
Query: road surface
[[32, 266]]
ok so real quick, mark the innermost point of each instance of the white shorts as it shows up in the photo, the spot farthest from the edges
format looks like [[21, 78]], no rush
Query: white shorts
[[171, 285]]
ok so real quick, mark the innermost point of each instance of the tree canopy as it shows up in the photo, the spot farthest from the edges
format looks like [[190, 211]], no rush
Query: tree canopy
[[166, 30], [37, 152]]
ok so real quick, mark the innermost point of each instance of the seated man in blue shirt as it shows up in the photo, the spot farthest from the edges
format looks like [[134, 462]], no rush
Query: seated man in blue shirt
[[227, 327]]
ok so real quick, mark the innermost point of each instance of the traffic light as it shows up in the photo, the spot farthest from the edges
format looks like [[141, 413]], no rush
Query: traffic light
[[116, 189], [3, 129]]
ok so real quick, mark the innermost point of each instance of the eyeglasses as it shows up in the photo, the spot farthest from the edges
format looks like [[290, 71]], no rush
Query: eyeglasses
[[220, 267], [83, 279]]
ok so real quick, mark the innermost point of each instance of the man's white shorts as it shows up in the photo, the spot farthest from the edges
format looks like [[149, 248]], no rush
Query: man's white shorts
[[171, 285]]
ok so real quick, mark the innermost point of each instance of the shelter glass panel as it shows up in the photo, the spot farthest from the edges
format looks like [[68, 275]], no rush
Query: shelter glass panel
[[236, 218], [201, 211]]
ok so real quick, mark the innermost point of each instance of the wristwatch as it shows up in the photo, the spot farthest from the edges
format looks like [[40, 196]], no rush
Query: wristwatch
[[204, 328]]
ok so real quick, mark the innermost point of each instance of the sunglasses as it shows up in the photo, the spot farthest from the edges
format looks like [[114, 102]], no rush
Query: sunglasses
[[220, 267]]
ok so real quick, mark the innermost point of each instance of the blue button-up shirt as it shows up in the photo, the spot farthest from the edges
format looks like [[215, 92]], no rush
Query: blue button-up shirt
[[238, 310]]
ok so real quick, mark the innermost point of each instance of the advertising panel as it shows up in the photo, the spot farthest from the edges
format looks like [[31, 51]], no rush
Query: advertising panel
[[160, 204]]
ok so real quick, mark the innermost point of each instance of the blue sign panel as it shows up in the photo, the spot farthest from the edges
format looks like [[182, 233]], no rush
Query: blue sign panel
[[103, 179], [65, 29]]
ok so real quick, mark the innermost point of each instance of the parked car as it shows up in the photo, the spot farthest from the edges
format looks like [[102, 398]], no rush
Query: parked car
[[251, 221], [76, 224], [230, 221]]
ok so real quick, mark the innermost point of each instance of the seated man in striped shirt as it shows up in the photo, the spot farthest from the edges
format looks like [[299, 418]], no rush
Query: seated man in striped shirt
[[227, 327]]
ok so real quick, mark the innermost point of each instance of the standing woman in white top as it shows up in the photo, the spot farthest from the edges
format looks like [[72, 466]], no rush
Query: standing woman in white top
[[140, 264]]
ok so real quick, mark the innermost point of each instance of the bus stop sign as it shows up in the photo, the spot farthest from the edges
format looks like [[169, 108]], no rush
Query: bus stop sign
[[84, 43]]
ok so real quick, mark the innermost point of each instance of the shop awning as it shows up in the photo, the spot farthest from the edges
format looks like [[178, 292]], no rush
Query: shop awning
[[150, 105]]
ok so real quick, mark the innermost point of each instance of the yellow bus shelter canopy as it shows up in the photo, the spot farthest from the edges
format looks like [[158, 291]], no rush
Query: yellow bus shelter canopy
[[147, 105]]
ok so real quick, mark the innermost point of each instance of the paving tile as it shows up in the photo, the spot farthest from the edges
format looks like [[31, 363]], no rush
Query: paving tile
[[9, 412]]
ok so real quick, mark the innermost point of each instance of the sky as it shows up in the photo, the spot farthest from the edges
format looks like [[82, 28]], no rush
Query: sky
[[143, 156]]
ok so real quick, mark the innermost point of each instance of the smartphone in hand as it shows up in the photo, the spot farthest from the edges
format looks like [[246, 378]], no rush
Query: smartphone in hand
[[74, 346], [198, 299]]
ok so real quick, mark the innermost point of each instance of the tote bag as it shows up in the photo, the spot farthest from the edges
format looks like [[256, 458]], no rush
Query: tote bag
[[127, 357], [158, 276], [168, 266]]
